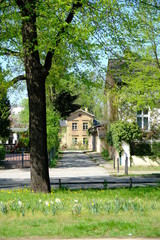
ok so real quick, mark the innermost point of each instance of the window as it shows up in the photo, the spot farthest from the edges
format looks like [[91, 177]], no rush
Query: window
[[85, 126], [74, 141], [143, 119], [74, 126], [85, 141]]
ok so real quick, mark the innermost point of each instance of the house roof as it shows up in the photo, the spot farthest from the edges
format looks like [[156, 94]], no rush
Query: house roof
[[98, 129], [80, 110]]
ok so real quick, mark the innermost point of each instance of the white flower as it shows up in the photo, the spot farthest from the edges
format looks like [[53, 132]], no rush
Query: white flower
[[47, 203], [19, 203], [75, 200], [40, 200], [51, 202], [57, 200]]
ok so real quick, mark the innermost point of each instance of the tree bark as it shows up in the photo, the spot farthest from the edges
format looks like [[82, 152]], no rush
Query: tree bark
[[37, 129]]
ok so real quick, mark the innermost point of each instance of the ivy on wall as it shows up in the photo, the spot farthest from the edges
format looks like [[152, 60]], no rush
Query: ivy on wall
[[122, 131]]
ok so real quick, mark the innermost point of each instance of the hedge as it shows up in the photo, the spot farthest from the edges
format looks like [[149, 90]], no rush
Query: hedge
[[2, 152]]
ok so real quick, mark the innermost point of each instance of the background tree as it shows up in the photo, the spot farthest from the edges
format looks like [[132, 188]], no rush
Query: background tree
[[136, 73], [5, 109]]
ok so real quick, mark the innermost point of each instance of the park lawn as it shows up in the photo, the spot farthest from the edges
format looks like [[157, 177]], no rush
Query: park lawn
[[84, 213], [144, 168]]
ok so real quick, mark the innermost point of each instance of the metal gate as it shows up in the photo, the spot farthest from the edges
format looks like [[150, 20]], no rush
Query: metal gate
[[16, 158]]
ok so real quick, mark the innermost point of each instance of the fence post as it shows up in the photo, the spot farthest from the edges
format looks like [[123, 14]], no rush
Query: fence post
[[120, 159], [130, 182], [22, 158], [60, 184], [114, 162], [126, 165], [117, 164]]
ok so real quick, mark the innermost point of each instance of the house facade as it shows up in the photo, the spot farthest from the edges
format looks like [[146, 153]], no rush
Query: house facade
[[74, 131]]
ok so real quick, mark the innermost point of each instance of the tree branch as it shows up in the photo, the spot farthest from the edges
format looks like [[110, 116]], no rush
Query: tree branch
[[18, 78], [49, 56], [9, 52], [151, 5]]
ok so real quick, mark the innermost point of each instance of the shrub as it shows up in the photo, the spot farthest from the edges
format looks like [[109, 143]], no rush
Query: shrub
[[156, 148], [122, 131], [105, 154], [140, 149], [2, 152], [24, 141]]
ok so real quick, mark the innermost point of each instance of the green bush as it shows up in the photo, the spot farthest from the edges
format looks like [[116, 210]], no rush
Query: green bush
[[53, 161], [2, 152], [105, 154], [122, 131], [156, 148], [140, 149], [24, 141]]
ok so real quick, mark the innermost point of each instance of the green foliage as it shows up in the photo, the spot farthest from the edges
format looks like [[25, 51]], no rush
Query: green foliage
[[4, 115], [64, 103], [86, 85], [24, 140], [122, 131], [145, 149], [141, 149], [105, 154], [2, 152], [53, 128], [156, 149], [24, 114], [139, 70], [53, 160], [5, 108]]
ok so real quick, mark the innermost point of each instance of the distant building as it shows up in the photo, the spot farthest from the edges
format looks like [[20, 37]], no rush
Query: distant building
[[74, 130]]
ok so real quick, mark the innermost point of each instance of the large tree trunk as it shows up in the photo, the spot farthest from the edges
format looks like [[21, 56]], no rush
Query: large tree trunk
[[38, 141], [35, 76]]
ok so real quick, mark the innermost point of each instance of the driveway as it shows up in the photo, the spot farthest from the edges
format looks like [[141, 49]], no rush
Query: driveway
[[77, 164]]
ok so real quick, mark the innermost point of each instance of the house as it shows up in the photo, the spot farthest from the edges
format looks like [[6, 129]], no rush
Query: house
[[146, 118], [74, 130], [15, 135]]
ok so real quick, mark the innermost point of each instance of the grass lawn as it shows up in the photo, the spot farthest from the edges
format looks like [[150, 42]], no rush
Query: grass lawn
[[144, 168], [84, 213]]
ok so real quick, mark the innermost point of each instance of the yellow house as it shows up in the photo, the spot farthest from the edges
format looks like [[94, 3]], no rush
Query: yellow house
[[75, 130]]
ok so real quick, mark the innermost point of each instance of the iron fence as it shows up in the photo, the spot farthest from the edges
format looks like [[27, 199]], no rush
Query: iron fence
[[16, 157], [107, 183]]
